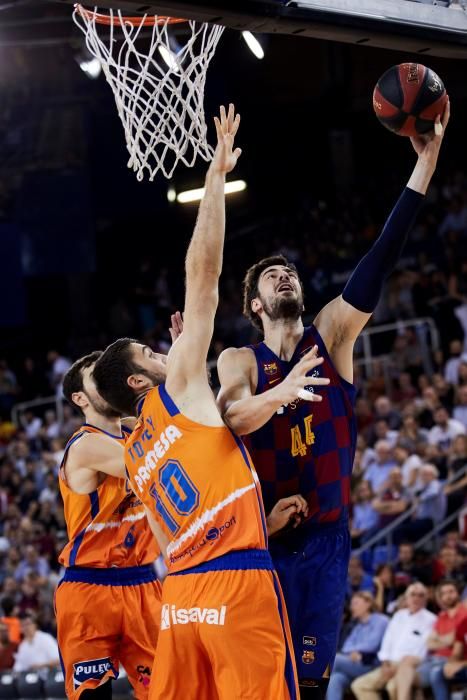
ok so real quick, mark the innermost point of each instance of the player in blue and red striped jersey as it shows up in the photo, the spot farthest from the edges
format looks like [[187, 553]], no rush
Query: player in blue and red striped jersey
[[304, 441]]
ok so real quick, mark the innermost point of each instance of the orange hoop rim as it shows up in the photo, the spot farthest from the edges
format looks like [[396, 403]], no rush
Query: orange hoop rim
[[110, 20]]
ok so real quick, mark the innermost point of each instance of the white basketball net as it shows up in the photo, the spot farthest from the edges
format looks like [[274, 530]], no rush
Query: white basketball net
[[160, 105]]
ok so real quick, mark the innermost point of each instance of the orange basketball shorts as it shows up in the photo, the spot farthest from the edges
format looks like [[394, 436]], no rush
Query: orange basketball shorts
[[107, 617], [224, 633]]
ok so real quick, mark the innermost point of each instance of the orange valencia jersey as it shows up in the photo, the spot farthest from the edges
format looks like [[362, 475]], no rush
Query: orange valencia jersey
[[107, 527], [198, 482]]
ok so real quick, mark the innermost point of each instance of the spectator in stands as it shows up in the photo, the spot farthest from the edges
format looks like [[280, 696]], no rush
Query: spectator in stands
[[392, 500], [448, 565], [378, 470], [7, 649], [8, 389], [32, 563], [460, 411], [445, 429], [10, 619], [440, 643], [59, 366], [402, 649], [410, 466], [384, 410], [426, 407], [431, 507], [358, 653], [455, 670], [382, 431], [384, 587], [411, 435], [358, 579], [31, 425], [405, 390], [406, 570], [38, 650], [451, 367], [364, 517]]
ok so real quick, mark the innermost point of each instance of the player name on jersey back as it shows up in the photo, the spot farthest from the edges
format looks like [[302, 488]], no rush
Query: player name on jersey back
[[197, 481]]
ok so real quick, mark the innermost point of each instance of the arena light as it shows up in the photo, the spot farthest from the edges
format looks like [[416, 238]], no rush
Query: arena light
[[253, 44], [92, 68], [196, 195], [171, 194]]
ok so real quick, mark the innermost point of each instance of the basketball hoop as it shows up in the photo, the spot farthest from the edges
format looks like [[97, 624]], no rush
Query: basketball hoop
[[159, 92]]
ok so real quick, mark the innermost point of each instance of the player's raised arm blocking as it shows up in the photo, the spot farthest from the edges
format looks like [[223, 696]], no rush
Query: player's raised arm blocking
[[187, 359], [342, 320]]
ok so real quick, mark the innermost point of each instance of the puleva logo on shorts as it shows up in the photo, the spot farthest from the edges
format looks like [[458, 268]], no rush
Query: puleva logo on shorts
[[171, 615], [94, 669]]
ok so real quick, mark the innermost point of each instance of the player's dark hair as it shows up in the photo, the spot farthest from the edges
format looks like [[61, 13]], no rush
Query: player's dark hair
[[73, 379], [111, 374], [250, 285]]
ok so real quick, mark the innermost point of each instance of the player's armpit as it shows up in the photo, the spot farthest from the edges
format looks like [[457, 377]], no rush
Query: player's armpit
[[339, 322]]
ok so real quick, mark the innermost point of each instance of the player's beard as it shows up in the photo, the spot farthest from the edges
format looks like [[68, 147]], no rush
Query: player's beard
[[283, 308], [103, 408]]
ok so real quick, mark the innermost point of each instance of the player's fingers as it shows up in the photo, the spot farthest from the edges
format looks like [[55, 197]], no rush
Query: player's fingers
[[438, 126], [218, 129], [308, 395], [172, 335], [230, 117], [312, 352], [447, 114], [303, 505], [223, 118], [311, 362], [237, 153], [235, 125], [317, 381], [179, 321]]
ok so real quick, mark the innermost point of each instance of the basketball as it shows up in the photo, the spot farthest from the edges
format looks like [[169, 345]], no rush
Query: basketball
[[408, 97]]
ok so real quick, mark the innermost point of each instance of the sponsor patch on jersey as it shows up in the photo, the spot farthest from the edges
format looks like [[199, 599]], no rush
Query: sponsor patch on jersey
[[309, 641], [270, 368], [94, 669], [171, 615], [308, 656]]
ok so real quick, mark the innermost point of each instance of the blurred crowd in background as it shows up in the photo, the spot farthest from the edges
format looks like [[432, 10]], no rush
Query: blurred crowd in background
[[412, 417]]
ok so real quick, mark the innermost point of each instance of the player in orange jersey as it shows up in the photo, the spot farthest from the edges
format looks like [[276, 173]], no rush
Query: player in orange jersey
[[108, 602], [224, 631]]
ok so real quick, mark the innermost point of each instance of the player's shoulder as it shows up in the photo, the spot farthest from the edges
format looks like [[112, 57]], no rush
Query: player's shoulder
[[236, 358], [88, 444]]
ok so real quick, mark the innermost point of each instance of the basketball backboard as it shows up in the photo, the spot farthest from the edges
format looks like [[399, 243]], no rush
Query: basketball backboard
[[415, 27]]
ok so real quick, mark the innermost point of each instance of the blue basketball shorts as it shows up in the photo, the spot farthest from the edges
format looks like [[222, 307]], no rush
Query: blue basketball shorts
[[312, 565]]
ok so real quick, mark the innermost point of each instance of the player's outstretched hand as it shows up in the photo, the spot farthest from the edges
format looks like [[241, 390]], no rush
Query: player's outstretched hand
[[292, 508], [427, 146], [225, 156], [293, 387], [176, 326]]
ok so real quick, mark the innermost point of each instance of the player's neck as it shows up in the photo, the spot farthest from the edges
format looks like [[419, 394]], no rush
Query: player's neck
[[110, 425], [283, 336]]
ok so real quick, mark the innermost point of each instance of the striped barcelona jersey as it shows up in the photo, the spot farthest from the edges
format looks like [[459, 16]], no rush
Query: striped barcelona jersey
[[108, 527], [306, 447], [197, 481]]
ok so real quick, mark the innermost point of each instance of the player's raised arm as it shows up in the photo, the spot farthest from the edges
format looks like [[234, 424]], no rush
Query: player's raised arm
[[203, 266], [342, 320]]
